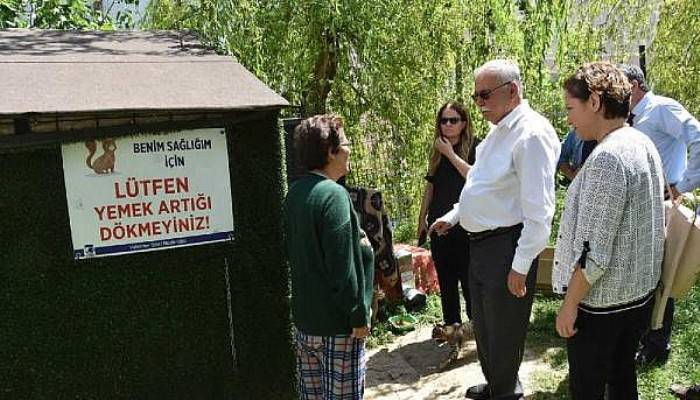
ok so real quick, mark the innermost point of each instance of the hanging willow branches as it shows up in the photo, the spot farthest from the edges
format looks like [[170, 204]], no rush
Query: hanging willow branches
[[675, 65], [387, 65]]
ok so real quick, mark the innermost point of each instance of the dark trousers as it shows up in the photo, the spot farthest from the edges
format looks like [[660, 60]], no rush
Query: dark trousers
[[602, 353], [451, 256], [500, 319], [658, 341]]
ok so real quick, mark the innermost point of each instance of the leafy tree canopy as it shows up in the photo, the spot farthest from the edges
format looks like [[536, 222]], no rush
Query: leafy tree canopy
[[675, 67], [66, 14], [387, 65]]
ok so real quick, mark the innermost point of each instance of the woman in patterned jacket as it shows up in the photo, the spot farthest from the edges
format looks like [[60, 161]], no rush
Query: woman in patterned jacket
[[610, 245]]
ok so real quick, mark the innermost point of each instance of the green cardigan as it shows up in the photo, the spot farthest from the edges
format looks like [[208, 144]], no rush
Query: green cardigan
[[332, 272]]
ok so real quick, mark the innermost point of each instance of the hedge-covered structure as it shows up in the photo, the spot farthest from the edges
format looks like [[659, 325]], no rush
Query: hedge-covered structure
[[153, 325]]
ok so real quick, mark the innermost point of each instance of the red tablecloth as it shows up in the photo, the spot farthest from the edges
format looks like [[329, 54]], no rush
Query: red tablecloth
[[423, 268]]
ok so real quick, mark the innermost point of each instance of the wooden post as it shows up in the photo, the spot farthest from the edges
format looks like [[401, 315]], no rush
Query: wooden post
[[643, 58]]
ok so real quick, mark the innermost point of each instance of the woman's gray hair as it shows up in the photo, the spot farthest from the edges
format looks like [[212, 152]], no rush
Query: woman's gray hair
[[634, 73], [505, 70]]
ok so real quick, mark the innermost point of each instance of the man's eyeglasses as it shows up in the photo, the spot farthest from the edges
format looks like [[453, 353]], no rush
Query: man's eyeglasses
[[486, 93], [452, 120]]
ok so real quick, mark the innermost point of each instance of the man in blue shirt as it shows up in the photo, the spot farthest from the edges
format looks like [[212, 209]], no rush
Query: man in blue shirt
[[676, 134], [574, 153]]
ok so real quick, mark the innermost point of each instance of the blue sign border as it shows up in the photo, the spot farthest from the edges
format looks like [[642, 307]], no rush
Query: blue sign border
[[151, 245]]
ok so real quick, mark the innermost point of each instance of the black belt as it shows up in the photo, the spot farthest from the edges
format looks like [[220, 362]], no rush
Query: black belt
[[477, 236], [619, 308]]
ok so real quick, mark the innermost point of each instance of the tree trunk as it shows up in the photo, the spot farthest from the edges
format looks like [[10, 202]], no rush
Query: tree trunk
[[459, 76], [324, 73]]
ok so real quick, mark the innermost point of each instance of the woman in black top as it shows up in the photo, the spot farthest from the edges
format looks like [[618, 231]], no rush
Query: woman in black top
[[453, 153]]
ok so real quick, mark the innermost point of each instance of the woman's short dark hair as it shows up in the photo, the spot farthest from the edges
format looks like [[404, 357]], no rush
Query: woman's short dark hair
[[314, 136], [608, 81]]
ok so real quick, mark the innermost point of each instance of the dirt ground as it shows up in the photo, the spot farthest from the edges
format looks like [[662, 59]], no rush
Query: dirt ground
[[409, 368]]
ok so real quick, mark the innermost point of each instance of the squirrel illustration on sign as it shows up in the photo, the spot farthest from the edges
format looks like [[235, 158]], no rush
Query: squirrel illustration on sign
[[103, 164]]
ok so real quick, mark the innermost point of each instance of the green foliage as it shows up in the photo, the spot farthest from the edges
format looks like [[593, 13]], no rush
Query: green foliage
[[59, 14], [386, 66], [675, 65], [9, 11], [66, 14], [172, 14]]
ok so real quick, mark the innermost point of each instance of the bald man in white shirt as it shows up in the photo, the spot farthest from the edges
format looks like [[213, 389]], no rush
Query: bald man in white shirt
[[506, 206]]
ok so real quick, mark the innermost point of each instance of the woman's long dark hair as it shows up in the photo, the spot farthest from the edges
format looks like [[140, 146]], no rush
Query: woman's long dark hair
[[466, 137]]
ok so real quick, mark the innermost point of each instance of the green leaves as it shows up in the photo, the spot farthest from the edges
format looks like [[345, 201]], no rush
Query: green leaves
[[9, 12], [387, 65], [65, 14], [675, 59]]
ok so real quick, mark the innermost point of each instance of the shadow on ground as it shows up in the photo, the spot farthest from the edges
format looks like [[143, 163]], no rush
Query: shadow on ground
[[561, 392], [409, 363], [411, 367]]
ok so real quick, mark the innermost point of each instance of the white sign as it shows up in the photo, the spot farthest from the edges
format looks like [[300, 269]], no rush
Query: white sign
[[148, 192]]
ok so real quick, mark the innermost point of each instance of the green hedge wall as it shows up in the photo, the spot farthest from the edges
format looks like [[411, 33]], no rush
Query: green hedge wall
[[150, 325], [261, 273]]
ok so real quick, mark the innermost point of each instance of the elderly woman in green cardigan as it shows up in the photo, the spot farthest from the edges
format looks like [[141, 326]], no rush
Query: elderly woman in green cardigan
[[331, 266]]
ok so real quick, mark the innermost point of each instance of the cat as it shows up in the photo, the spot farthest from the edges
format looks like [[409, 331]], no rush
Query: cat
[[456, 336], [103, 164]]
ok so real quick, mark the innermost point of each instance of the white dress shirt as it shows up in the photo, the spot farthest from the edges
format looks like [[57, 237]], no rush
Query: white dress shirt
[[675, 133], [512, 182], [615, 205]]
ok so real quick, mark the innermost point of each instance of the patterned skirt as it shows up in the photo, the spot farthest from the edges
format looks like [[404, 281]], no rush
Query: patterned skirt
[[330, 367]]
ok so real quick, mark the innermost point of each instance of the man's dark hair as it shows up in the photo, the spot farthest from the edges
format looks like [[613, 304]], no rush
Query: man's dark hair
[[634, 73], [605, 79], [314, 136]]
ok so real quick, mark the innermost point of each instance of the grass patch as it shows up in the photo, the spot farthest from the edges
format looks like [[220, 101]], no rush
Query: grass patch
[[682, 367], [552, 385], [381, 331], [542, 331], [684, 364]]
